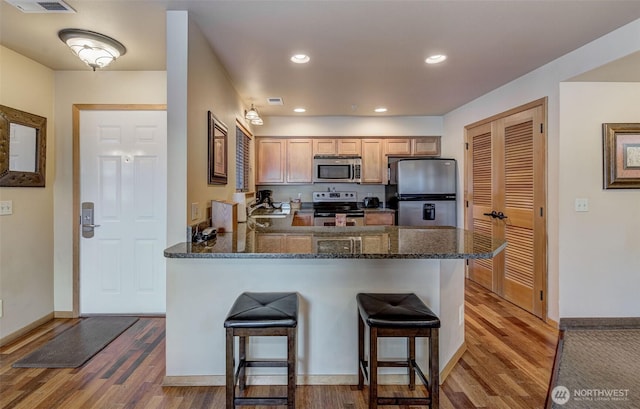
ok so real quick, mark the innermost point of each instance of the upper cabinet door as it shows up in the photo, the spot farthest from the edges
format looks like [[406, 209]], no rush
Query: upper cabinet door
[[270, 158], [397, 146], [426, 146], [349, 147], [373, 167], [299, 161], [325, 147]]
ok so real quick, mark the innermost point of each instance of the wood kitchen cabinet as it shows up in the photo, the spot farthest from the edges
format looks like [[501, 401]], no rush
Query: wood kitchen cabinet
[[290, 161], [284, 243], [270, 161], [282, 161], [302, 219], [397, 146], [299, 161], [337, 146], [375, 244], [421, 146], [379, 218], [373, 166], [426, 146]]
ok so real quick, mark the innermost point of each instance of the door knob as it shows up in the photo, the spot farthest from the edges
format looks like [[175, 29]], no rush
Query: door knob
[[496, 215], [86, 220]]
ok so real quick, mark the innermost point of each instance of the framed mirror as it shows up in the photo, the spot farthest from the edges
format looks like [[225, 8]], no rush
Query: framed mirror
[[217, 147], [23, 147]]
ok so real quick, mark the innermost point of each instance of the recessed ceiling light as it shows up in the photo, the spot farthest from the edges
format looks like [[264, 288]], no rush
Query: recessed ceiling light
[[300, 58], [435, 59], [381, 109], [299, 110]]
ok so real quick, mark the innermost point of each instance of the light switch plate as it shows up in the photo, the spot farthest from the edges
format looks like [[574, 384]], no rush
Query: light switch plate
[[6, 207], [195, 211], [582, 205]]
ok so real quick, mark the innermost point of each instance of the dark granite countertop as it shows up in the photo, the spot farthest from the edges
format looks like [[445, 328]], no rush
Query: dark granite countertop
[[276, 238]]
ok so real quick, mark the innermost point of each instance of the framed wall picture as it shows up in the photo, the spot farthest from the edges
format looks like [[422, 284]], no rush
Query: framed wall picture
[[217, 147], [621, 155]]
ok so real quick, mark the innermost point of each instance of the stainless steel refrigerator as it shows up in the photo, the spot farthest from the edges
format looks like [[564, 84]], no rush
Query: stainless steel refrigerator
[[423, 191]]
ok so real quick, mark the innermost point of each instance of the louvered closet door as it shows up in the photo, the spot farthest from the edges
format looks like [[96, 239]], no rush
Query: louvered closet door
[[479, 195], [506, 165], [525, 255]]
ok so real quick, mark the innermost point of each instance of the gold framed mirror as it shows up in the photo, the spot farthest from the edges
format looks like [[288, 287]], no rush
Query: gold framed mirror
[[23, 148]]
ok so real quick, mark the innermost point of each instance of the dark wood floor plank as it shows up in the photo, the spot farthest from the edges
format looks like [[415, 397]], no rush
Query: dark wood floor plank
[[507, 365]]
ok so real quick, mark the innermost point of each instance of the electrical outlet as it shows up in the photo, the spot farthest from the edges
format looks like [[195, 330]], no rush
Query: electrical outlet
[[195, 211], [582, 205], [461, 315], [6, 207]]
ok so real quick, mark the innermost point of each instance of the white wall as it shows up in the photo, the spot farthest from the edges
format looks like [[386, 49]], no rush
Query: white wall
[[542, 82], [26, 236], [87, 87], [599, 257]]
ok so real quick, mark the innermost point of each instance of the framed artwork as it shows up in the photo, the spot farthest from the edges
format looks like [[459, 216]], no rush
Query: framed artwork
[[217, 147], [621, 155]]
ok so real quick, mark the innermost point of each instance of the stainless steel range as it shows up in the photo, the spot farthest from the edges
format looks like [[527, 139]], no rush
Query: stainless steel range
[[327, 204]]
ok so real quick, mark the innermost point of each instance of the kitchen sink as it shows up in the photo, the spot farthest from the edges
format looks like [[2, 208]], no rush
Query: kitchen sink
[[268, 216], [270, 213]]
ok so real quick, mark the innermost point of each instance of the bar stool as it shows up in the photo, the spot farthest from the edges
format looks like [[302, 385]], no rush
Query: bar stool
[[397, 315], [261, 314]]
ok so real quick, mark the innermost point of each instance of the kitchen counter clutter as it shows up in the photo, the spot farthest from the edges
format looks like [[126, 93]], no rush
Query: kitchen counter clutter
[[326, 267]]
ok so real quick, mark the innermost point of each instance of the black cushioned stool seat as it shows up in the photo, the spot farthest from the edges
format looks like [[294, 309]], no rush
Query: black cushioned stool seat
[[261, 314], [397, 315]]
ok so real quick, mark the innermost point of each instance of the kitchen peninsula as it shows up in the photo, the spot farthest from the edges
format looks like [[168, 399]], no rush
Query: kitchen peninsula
[[327, 267]]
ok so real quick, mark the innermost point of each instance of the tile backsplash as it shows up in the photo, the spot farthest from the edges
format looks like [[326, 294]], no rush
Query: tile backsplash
[[284, 193]]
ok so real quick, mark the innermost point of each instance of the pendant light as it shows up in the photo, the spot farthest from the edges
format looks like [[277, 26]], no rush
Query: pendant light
[[252, 113]]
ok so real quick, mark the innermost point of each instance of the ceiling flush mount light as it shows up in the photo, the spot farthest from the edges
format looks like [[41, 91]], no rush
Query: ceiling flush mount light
[[299, 110], [380, 110], [95, 49], [435, 59], [300, 58], [252, 113]]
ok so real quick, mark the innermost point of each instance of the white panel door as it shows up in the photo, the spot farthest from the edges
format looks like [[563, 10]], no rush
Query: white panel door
[[124, 174]]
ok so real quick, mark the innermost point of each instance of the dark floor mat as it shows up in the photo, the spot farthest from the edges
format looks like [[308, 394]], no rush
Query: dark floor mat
[[75, 346]]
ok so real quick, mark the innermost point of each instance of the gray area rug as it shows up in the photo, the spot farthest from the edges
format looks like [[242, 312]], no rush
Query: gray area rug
[[598, 369], [75, 346]]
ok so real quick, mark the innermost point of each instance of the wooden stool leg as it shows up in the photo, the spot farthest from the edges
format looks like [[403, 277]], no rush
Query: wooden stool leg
[[242, 360], [411, 349], [373, 368], [360, 351], [434, 369], [230, 381], [291, 368]]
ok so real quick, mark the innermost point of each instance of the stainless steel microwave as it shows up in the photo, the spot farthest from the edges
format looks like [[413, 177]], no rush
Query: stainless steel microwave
[[337, 169]]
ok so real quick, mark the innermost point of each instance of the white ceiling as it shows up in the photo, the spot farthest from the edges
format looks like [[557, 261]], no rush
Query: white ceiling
[[364, 53]]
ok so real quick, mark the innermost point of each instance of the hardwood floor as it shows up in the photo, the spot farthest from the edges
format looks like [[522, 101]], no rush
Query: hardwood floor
[[507, 365]]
